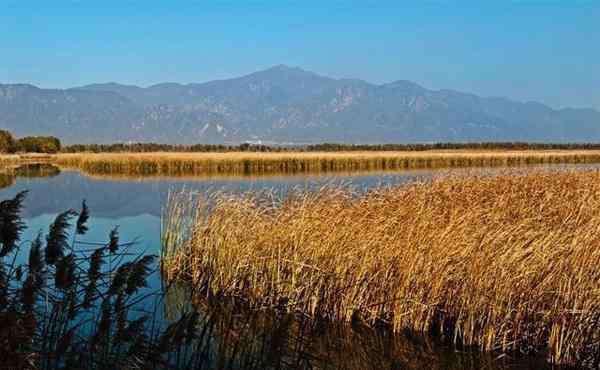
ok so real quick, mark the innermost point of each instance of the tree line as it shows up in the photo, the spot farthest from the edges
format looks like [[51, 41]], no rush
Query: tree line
[[28, 144], [324, 147], [51, 144], [156, 147], [509, 145]]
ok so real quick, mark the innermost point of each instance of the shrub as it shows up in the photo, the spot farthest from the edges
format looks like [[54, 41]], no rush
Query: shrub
[[7, 142], [38, 144]]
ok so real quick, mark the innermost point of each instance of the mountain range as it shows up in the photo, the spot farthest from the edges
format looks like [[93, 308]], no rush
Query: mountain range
[[284, 105]]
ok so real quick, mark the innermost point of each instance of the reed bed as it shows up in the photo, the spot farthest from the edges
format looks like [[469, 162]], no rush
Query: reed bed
[[505, 263], [177, 164], [9, 160]]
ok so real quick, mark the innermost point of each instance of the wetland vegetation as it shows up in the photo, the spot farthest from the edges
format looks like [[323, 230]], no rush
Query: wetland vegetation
[[66, 303], [504, 263], [240, 163], [492, 268], [143, 159], [181, 329]]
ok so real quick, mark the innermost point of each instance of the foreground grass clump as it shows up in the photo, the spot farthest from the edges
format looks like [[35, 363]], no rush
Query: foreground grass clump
[[244, 163], [505, 263], [62, 307]]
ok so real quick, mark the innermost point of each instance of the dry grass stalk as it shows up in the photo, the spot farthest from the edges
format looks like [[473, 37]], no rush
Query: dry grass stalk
[[505, 263]]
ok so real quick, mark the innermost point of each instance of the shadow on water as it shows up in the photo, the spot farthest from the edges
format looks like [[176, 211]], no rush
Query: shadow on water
[[231, 336]]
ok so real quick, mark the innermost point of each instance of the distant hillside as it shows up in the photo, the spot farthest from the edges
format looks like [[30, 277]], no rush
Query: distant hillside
[[284, 105]]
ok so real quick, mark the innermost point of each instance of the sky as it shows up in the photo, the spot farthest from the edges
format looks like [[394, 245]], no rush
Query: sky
[[528, 50]]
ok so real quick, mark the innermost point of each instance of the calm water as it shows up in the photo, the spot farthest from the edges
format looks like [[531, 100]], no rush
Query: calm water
[[135, 206]]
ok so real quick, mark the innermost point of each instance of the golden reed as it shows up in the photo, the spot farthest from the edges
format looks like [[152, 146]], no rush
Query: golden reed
[[250, 163], [506, 263]]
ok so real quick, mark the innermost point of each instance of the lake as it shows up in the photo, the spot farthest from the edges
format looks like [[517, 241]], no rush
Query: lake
[[263, 341]]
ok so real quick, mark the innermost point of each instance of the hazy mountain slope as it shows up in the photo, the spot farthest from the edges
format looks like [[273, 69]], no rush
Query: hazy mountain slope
[[284, 104], [70, 114]]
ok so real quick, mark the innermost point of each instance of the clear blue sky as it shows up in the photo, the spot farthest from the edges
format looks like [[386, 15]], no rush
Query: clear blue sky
[[540, 50]]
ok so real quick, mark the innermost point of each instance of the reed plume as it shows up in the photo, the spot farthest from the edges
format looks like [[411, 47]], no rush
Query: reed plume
[[138, 274], [120, 278], [36, 261], [82, 219], [11, 224], [57, 238], [113, 243]]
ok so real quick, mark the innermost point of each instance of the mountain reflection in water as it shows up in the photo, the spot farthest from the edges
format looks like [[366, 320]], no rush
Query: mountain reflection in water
[[126, 197]]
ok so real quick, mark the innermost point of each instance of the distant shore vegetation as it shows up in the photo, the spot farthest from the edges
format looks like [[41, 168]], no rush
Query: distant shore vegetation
[[323, 147], [28, 144], [51, 144], [154, 159], [286, 163]]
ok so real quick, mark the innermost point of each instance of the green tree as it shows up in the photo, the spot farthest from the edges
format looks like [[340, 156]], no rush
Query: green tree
[[7, 142], [38, 144]]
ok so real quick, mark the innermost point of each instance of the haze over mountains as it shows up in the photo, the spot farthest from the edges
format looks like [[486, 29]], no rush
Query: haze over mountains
[[284, 105]]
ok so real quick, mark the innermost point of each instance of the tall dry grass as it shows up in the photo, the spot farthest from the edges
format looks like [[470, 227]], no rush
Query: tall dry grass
[[176, 164], [8, 160], [507, 263]]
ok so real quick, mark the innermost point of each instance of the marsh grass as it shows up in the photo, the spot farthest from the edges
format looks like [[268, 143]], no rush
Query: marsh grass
[[178, 164], [505, 263]]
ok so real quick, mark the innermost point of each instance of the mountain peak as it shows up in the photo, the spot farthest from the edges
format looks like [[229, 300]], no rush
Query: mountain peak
[[283, 104], [282, 67], [286, 71], [404, 85]]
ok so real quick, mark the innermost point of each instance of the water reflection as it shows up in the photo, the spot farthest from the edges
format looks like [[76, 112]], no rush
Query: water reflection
[[233, 337], [6, 180], [33, 170], [127, 197], [9, 175]]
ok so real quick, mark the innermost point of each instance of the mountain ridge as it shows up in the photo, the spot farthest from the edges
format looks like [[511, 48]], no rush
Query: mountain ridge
[[284, 105]]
